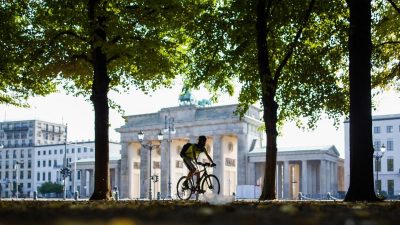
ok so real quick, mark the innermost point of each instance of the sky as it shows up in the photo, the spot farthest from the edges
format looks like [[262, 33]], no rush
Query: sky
[[78, 114]]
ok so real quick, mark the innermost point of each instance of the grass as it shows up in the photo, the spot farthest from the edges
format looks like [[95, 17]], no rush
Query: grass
[[192, 212]]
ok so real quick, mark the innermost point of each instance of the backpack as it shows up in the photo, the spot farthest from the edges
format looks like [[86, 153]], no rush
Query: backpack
[[184, 149]]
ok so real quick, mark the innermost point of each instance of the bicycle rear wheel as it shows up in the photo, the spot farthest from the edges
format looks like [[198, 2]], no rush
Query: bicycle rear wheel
[[183, 192], [210, 184]]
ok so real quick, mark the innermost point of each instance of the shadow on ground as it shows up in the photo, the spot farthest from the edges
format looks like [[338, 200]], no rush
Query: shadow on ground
[[192, 212]]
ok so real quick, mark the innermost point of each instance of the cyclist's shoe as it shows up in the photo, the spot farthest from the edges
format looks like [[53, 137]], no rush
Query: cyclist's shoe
[[213, 164], [185, 185]]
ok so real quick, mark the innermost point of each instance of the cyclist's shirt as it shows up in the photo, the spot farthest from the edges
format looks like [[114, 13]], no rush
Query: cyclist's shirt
[[193, 151]]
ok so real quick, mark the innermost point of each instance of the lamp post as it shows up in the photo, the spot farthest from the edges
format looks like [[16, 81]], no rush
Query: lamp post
[[16, 166], [150, 147], [170, 128], [378, 154]]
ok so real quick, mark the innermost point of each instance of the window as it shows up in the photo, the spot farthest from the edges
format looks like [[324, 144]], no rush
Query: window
[[0, 164], [84, 149], [14, 174], [67, 150], [79, 175], [49, 152], [29, 185], [49, 163], [21, 174], [389, 129], [7, 156], [49, 176], [61, 151], [6, 176], [389, 146], [377, 145], [29, 164], [29, 153], [72, 150], [29, 174], [390, 184], [38, 163], [7, 164], [44, 176], [38, 153], [390, 165], [378, 165], [55, 151], [44, 152], [14, 154], [79, 150], [377, 130], [91, 150], [22, 155], [55, 163], [38, 176], [44, 163]]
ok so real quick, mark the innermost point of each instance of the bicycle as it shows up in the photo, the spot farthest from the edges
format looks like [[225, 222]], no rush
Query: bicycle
[[208, 183]]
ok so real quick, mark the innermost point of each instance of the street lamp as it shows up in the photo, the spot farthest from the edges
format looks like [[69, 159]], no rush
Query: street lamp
[[170, 128], [16, 166], [150, 147], [378, 154]]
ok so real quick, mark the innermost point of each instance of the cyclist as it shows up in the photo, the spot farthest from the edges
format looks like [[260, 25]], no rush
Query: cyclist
[[189, 153]]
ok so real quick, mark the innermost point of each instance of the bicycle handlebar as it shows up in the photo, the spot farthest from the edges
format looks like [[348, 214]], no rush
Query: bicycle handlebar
[[206, 164]]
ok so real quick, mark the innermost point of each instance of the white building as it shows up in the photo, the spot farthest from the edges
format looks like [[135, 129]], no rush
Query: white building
[[386, 131], [17, 158], [49, 159]]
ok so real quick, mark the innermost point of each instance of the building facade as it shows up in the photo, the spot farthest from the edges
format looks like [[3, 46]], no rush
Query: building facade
[[34, 151], [17, 158], [235, 145], [385, 131]]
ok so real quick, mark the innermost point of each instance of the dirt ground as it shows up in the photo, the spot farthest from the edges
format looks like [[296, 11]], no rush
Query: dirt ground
[[194, 212]]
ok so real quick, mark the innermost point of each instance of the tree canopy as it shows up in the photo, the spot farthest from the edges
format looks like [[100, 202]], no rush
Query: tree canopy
[[16, 81]]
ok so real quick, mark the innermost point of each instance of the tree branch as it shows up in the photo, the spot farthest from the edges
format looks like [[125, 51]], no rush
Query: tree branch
[[387, 43], [67, 33], [394, 6], [292, 45]]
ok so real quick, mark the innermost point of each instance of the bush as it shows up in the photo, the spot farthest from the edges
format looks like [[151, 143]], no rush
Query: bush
[[50, 187]]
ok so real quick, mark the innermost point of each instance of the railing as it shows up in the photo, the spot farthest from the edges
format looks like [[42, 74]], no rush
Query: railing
[[328, 196]]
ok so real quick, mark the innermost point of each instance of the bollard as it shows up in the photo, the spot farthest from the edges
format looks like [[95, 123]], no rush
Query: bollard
[[328, 196], [300, 196], [116, 196], [76, 195], [158, 195], [34, 195]]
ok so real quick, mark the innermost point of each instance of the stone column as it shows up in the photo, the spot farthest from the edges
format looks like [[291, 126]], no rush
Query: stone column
[[286, 179], [218, 158], [165, 157], [335, 177], [126, 171], [322, 176], [144, 172], [304, 177], [83, 191], [245, 174], [91, 181]]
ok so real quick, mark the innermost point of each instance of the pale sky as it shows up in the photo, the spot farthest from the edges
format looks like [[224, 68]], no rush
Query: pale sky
[[78, 113]]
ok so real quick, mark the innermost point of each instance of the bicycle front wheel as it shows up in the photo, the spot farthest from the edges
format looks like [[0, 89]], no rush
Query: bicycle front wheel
[[210, 184], [184, 192]]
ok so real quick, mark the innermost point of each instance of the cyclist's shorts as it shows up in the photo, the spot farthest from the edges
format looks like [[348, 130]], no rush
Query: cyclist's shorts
[[189, 163]]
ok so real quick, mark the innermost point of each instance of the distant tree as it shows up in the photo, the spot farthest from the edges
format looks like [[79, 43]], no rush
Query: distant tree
[[285, 54], [386, 44], [100, 45], [16, 83], [50, 187], [361, 149]]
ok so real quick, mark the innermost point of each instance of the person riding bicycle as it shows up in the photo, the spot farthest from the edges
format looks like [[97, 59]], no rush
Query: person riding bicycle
[[189, 153]]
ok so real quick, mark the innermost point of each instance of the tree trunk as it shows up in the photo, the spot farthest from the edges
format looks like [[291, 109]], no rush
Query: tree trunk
[[361, 148], [269, 104], [99, 99]]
